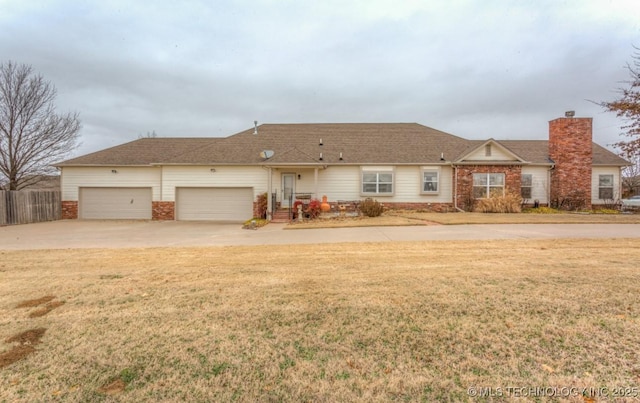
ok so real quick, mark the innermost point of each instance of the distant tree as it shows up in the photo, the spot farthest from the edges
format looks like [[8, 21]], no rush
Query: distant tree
[[32, 135], [631, 175], [150, 135], [627, 107]]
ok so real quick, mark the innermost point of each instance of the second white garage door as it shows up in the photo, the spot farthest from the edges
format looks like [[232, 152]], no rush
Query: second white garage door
[[214, 204]]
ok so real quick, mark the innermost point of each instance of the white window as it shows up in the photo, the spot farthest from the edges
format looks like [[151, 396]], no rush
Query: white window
[[430, 180], [486, 185], [605, 187], [526, 185], [377, 182]]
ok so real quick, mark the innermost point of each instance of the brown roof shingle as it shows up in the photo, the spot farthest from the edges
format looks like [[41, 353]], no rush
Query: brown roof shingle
[[359, 143]]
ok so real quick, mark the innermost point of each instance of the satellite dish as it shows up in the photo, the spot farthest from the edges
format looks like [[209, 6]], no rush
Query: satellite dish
[[266, 154]]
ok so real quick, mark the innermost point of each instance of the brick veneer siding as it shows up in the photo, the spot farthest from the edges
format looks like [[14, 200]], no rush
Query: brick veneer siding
[[570, 147], [69, 210], [464, 191], [424, 206], [435, 207], [163, 210]]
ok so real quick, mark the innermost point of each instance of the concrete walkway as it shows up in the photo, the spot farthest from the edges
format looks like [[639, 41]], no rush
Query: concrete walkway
[[133, 234]]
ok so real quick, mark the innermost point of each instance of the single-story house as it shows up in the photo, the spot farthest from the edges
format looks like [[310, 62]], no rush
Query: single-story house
[[403, 165]]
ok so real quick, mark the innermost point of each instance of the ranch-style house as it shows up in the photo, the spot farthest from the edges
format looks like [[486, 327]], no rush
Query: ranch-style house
[[403, 165]]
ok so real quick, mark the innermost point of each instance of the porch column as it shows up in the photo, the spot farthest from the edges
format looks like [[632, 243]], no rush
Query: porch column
[[269, 191], [315, 182]]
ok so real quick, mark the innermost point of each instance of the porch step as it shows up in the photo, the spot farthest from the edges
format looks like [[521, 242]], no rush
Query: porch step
[[280, 216]]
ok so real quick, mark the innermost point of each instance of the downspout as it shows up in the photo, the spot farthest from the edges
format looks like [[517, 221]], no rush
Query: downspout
[[315, 180], [269, 190], [455, 190], [549, 184]]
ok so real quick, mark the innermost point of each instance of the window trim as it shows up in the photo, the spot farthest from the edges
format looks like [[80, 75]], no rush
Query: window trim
[[424, 170], [377, 171], [488, 186], [600, 187]]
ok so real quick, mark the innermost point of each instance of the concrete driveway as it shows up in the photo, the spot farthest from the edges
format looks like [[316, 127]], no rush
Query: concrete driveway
[[134, 234]]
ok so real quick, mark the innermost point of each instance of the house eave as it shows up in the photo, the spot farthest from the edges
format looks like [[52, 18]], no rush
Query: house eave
[[101, 165], [491, 163]]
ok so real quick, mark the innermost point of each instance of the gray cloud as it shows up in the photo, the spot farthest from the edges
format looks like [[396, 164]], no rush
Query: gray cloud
[[475, 69]]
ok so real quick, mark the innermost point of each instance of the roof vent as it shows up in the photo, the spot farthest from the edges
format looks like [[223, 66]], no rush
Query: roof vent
[[255, 127], [340, 156], [320, 156], [569, 114], [320, 142]]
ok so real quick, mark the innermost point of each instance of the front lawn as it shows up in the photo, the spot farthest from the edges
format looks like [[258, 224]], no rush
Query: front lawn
[[407, 321]]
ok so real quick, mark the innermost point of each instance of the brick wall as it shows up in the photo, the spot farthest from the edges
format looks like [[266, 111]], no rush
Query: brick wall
[[512, 176], [163, 210], [435, 207], [570, 147], [69, 210]]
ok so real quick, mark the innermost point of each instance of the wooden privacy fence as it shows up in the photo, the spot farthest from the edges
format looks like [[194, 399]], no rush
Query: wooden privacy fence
[[29, 206]]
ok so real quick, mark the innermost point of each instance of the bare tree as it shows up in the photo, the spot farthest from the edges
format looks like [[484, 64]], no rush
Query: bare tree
[[631, 174], [149, 135], [32, 135], [627, 107]]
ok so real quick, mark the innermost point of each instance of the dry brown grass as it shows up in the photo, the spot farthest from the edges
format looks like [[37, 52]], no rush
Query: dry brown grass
[[521, 218], [411, 218], [415, 321]]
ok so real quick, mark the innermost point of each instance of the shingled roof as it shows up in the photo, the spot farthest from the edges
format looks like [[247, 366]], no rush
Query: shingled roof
[[302, 144]]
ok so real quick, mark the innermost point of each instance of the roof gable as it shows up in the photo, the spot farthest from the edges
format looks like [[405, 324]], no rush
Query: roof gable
[[490, 151]]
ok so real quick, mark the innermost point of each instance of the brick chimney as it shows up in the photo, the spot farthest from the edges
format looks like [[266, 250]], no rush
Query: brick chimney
[[570, 147]]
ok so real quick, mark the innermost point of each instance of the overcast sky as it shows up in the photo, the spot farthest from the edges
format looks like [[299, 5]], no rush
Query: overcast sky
[[476, 69]]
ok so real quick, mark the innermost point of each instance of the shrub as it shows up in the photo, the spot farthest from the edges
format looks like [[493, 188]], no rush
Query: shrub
[[573, 201], [261, 209], [510, 202], [371, 208], [313, 209]]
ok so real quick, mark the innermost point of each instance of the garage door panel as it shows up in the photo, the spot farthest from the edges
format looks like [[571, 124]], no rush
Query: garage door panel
[[214, 204], [115, 203]]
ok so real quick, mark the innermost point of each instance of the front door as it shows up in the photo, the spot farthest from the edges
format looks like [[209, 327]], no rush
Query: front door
[[288, 189]]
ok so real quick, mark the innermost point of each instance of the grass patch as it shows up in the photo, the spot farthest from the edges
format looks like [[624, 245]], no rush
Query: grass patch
[[414, 321], [255, 223], [542, 215]]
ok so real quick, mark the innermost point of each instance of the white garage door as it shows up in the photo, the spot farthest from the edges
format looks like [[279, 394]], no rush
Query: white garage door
[[214, 204], [115, 203]]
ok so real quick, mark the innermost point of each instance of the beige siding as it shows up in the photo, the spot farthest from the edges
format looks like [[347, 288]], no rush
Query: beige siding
[[497, 154], [409, 185], [595, 182], [73, 178], [339, 183], [343, 183], [540, 183], [202, 176]]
